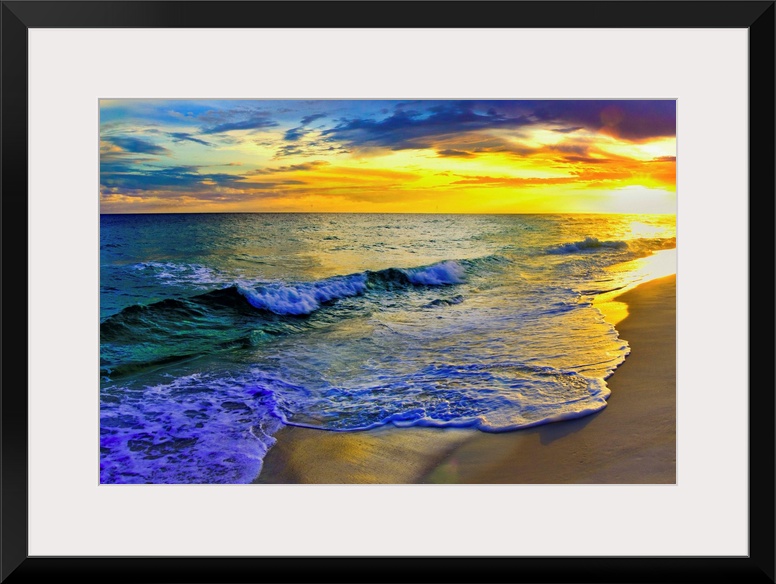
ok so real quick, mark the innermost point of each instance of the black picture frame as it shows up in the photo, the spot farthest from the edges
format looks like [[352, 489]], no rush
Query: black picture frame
[[19, 16]]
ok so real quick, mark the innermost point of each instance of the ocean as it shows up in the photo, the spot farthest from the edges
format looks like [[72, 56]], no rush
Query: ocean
[[216, 330]]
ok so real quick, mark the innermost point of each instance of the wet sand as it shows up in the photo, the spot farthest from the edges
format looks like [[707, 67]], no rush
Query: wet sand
[[631, 441]]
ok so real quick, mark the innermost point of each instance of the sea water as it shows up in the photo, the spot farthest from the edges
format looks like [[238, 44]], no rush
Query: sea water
[[218, 329]]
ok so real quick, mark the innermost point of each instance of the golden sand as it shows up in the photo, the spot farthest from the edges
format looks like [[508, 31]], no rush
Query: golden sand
[[631, 441]]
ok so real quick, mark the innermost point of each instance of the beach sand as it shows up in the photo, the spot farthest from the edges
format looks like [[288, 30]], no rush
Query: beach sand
[[631, 441]]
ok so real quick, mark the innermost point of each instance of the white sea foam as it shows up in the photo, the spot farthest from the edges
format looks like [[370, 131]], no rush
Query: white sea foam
[[307, 297], [449, 272], [199, 428], [172, 273], [304, 298]]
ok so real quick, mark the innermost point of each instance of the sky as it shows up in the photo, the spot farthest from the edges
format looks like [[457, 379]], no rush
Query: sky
[[379, 156]]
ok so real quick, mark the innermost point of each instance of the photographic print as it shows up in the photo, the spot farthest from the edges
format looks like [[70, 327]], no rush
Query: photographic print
[[387, 291]]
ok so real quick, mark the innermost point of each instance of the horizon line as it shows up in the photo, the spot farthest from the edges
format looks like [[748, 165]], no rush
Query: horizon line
[[376, 213]]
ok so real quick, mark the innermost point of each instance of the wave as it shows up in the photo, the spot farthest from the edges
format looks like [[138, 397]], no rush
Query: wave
[[491, 397], [298, 299], [637, 247], [646, 245], [198, 428], [589, 243], [245, 315], [306, 298], [444, 301]]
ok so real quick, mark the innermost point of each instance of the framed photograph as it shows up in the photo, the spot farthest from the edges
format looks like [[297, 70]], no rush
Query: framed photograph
[[474, 291]]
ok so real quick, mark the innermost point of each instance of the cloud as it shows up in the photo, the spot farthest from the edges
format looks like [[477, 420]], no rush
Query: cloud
[[421, 128], [455, 153], [128, 178], [186, 137], [307, 120], [295, 134], [577, 153], [218, 121], [293, 167], [289, 151], [595, 175], [512, 181], [568, 130], [301, 131], [310, 148], [632, 120], [586, 159], [271, 185], [148, 201], [255, 123], [570, 148], [137, 145], [475, 143]]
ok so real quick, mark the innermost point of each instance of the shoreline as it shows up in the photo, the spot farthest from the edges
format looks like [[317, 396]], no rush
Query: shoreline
[[631, 441]]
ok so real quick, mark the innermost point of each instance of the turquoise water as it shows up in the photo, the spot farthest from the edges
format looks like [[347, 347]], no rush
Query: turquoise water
[[217, 330]]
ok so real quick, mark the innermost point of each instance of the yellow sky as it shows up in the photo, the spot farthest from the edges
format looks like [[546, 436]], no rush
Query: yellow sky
[[345, 156]]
